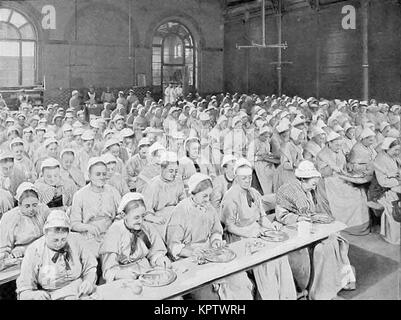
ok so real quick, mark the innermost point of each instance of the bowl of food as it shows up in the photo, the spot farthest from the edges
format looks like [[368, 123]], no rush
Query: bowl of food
[[158, 277], [274, 236]]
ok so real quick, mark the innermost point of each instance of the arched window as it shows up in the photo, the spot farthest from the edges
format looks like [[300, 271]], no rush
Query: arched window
[[18, 43], [173, 56]]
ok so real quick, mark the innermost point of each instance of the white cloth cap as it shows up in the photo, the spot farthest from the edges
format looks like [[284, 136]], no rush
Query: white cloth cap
[[25, 186], [228, 158], [49, 163], [195, 179], [295, 133], [49, 141], [57, 219], [306, 169], [366, 133], [110, 142], [155, 147], [127, 198], [242, 162], [204, 116], [168, 156], [93, 161], [332, 136], [88, 135], [108, 158], [67, 150]]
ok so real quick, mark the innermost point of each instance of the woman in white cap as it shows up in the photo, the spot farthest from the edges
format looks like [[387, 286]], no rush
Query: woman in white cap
[[113, 146], [315, 144], [244, 217], [336, 195], [386, 187], [137, 162], [22, 225], [21, 160], [54, 191], [235, 142], [94, 207], [260, 156], [69, 169], [56, 266], [68, 138], [224, 181], [295, 202], [291, 156], [57, 126], [86, 152], [349, 138], [163, 192], [216, 138], [10, 178], [194, 225], [194, 162], [51, 150], [152, 168], [362, 154], [114, 178], [27, 136], [131, 245]]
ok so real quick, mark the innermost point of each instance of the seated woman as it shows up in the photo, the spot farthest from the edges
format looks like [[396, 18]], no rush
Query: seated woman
[[10, 178], [51, 150], [56, 266], [22, 161], [244, 217], [22, 225], [114, 178], [386, 187], [68, 169], [131, 246], [137, 162], [223, 182], [259, 154], [194, 225], [315, 144], [152, 169], [335, 194], [94, 207], [362, 155], [163, 193], [113, 147], [193, 162], [332, 270], [291, 156], [54, 191]]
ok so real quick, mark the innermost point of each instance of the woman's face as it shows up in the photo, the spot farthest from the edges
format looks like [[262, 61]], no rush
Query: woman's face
[[7, 168], [223, 124], [395, 151], [310, 184], [111, 169], [58, 122], [51, 176], [115, 150], [88, 144], [320, 139], [170, 172], [78, 140], [18, 151], [52, 150], [300, 139], [134, 218], [386, 131], [56, 240], [98, 175], [203, 198], [244, 181], [67, 160], [68, 134], [229, 169], [40, 134], [368, 141], [285, 136], [193, 150], [143, 151], [29, 206], [119, 125], [238, 125], [28, 136], [335, 145]]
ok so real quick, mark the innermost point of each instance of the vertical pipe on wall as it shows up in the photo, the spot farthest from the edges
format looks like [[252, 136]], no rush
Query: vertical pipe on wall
[[317, 9], [264, 22], [279, 27], [365, 50]]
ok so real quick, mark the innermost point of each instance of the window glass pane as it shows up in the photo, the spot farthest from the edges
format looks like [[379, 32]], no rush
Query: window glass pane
[[9, 63], [173, 50], [27, 32], [17, 19], [189, 55], [8, 32], [157, 54], [28, 63], [156, 73], [173, 74], [4, 14]]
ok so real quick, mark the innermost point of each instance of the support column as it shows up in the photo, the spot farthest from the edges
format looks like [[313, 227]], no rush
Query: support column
[[318, 46], [279, 27], [365, 48]]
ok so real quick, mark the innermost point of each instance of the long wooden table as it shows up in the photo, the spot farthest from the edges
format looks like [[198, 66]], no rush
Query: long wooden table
[[191, 276], [9, 275]]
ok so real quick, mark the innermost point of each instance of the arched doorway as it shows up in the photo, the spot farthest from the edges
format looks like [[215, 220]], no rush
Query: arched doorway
[[173, 57], [18, 48]]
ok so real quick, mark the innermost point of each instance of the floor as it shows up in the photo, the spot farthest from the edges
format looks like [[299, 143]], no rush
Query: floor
[[377, 268]]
